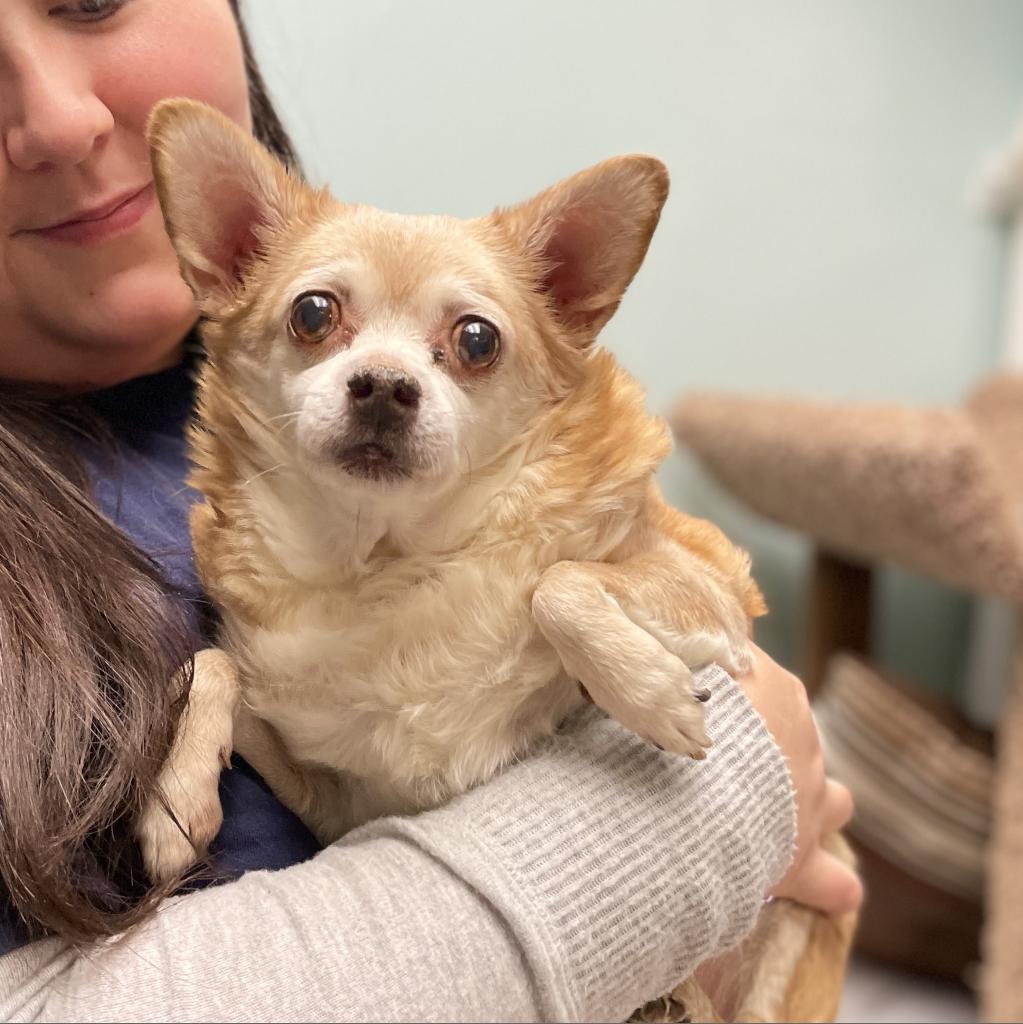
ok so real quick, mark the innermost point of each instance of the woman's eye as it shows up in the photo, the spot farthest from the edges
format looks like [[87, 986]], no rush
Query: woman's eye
[[477, 342], [88, 10], [314, 315]]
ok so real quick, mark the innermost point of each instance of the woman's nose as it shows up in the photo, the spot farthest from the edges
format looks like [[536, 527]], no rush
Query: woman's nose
[[52, 120]]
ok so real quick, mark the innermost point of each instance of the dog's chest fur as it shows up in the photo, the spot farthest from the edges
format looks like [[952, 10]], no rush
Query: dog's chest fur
[[419, 680]]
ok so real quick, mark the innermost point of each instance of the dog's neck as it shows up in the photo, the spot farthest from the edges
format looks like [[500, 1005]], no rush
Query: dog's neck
[[322, 530]]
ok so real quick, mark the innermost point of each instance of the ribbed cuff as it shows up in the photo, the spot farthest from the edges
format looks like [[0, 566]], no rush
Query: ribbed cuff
[[618, 867]]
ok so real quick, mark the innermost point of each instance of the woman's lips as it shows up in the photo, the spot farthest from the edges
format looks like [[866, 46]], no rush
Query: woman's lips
[[118, 220]]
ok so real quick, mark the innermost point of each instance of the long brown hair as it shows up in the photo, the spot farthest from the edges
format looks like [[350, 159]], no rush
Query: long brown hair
[[92, 644]]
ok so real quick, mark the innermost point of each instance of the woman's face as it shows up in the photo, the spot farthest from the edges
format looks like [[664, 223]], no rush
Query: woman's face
[[89, 287]]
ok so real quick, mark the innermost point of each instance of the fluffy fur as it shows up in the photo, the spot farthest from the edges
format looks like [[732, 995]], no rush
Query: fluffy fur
[[410, 599]]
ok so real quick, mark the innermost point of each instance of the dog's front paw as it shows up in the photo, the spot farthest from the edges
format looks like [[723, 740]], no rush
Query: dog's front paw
[[175, 831], [658, 703], [677, 728], [179, 822]]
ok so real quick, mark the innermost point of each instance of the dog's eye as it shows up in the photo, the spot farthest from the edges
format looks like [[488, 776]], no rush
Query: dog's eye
[[477, 342], [313, 316]]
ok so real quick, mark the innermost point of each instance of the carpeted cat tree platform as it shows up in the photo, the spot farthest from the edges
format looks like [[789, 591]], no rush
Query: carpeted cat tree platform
[[936, 491]]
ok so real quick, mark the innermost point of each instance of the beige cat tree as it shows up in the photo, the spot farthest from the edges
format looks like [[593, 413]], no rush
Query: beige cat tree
[[937, 491]]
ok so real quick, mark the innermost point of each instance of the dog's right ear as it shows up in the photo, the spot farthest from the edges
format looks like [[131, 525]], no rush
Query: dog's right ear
[[222, 196]]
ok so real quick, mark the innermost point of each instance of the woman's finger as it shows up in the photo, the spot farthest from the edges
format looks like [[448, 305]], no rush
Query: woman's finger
[[824, 883], [838, 807]]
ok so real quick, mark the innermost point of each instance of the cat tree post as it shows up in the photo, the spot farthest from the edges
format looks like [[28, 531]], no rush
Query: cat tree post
[[1001, 985], [1000, 196], [1000, 631], [838, 613]]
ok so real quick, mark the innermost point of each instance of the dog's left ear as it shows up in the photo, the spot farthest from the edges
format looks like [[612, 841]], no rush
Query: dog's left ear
[[588, 236]]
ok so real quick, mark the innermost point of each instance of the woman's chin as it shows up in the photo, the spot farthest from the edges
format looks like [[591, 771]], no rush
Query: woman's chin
[[141, 320], [96, 316]]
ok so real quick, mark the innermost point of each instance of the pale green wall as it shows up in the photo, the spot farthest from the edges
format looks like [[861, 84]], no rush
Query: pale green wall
[[817, 240]]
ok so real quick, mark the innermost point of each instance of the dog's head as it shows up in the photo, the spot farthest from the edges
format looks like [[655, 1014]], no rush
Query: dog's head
[[394, 349]]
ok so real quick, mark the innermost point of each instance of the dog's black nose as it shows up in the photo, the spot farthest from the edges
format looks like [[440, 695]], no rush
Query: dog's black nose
[[384, 397]]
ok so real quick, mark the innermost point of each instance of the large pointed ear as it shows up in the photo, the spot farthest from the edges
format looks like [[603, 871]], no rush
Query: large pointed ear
[[222, 195], [589, 234]]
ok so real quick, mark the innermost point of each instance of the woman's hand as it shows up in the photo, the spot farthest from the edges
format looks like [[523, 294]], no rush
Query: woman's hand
[[815, 878]]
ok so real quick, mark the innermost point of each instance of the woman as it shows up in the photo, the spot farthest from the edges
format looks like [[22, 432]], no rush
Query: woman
[[575, 886]]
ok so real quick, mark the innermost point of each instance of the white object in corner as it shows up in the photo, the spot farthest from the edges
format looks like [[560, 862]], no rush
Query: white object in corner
[[996, 624]]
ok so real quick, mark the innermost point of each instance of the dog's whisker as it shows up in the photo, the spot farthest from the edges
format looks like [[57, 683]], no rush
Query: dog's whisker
[[272, 469], [284, 416]]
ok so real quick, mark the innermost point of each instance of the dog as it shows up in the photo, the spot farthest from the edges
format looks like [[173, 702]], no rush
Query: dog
[[430, 522]]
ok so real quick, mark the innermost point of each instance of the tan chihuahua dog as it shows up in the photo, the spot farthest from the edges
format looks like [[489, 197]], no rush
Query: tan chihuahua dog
[[430, 520]]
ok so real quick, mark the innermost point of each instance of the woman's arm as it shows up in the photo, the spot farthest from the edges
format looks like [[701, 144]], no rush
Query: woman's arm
[[576, 886]]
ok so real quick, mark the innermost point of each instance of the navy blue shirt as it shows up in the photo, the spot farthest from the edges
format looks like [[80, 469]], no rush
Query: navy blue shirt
[[142, 488]]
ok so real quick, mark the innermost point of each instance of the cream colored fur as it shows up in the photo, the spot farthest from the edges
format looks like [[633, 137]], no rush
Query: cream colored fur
[[399, 638]]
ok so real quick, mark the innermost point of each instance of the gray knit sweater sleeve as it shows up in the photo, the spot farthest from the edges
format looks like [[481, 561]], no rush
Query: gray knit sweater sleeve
[[578, 884]]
